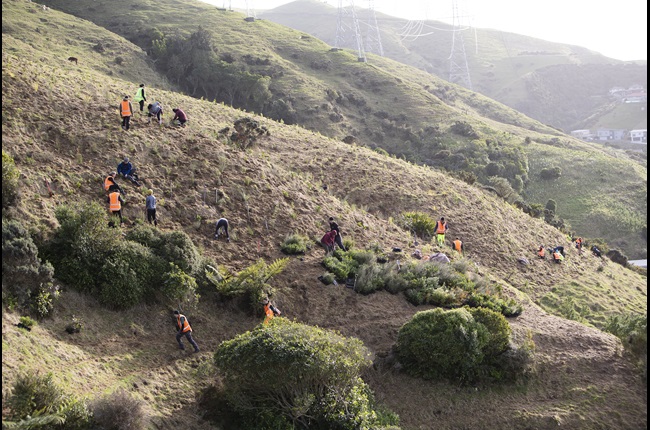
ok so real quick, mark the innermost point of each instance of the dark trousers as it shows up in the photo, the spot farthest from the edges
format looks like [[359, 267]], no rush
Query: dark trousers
[[188, 335], [339, 242], [126, 121], [222, 224], [141, 105], [118, 213], [151, 216]]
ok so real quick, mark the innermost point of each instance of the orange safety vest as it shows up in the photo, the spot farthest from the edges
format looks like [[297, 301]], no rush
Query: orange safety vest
[[108, 182], [114, 204], [541, 252], [125, 108], [186, 325], [579, 242], [557, 256], [441, 227], [269, 313], [457, 245]]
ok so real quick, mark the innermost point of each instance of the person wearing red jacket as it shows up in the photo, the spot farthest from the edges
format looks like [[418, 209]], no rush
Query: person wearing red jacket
[[328, 241]]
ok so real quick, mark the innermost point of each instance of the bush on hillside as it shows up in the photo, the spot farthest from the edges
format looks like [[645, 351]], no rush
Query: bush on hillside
[[442, 344], [27, 281], [419, 223], [498, 331], [461, 344], [323, 388], [122, 272], [119, 411], [37, 402], [632, 329], [10, 176], [295, 244], [550, 173], [177, 247], [251, 282], [179, 287]]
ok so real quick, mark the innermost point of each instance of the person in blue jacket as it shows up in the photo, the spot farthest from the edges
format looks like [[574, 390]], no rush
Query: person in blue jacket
[[126, 170]]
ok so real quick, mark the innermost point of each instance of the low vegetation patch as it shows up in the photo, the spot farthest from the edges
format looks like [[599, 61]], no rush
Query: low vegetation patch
[[422, 282], [296, 244]]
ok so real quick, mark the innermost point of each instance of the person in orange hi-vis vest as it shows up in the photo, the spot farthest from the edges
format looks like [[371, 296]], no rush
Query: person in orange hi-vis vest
[[579, 245], [441, 229], [269, 311], [184, 329], [541, 253], [115, 202], [458, 245], [126, 111]]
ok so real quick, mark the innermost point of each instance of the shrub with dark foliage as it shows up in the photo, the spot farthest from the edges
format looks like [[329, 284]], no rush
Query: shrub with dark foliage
[[26, 279]]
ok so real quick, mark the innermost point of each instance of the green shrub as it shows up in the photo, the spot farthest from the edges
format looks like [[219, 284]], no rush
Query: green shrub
[[343, 268], [419, 223], [251, 282], [128, 275], [295, 244], [442, 344], [26, 279], [632, 329], [33, 392], [10, 176], [119, 411], [551, 205], [550, 173], [369, 279], [498, 331], [328, 278], [311, 376], [179, 287], [177, 247], [37, 402], [27, 322]]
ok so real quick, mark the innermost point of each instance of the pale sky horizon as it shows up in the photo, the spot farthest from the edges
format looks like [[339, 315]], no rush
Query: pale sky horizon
[[617, 30]]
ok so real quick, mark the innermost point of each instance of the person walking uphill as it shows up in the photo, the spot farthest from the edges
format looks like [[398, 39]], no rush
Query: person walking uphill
[[126, 111], [441, 229], [140, 97], [269, 310], [337, 239], [150, 203], [184, 329]]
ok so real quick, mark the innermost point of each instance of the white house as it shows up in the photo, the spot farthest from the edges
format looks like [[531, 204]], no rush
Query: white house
[[639, 136]]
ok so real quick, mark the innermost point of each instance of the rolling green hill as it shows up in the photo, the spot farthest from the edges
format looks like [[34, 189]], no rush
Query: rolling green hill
[[60, 125], [557, 84]]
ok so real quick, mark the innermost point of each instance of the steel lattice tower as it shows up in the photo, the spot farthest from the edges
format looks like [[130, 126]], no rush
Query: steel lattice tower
[[373, 38], [342, 29], [458, 66]]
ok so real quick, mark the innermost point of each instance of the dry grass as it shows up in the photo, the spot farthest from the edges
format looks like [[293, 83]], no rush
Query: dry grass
[[71, 135]]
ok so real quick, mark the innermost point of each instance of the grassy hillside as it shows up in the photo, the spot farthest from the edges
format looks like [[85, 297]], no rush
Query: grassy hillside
[[70, 135], [383, 103]]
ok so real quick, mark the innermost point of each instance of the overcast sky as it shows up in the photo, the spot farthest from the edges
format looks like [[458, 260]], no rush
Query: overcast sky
[[617, 29]]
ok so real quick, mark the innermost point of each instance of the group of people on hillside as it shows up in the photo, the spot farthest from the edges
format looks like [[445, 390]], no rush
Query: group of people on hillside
[[154, 109], [557, 253], [115, 193]]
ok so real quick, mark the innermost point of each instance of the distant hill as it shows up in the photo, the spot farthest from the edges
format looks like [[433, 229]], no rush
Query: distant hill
[[557, 84], [62, 128]]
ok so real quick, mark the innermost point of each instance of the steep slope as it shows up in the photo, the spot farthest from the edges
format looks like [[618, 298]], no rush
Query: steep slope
[[386, 104], [268, 191]]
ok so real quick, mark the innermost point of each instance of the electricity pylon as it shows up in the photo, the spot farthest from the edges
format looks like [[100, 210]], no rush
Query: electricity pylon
[[458, 66]]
